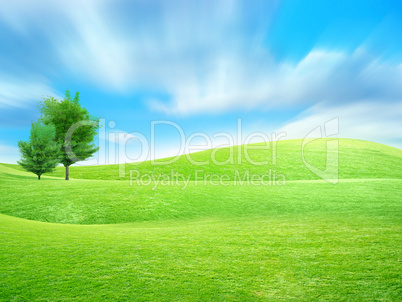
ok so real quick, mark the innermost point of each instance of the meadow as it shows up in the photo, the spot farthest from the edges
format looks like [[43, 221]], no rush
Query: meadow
[[103, 236]]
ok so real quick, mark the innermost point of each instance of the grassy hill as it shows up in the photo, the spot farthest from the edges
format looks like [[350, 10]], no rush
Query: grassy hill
[[87, 200], [357, 159], [97, 237]]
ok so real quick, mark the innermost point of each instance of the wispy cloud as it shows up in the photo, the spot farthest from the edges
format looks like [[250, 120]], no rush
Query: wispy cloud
[[19, 99], [21, 93], [333, 77], [9, 154], [207, 57], [153, 43], [368, 120]]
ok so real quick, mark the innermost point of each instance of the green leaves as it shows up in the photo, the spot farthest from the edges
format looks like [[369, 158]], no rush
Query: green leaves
[[75, 128], [41, 153], [64, 134]]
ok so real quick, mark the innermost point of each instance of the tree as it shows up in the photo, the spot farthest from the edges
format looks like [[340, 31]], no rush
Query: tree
[[75, 128], [40, 154]]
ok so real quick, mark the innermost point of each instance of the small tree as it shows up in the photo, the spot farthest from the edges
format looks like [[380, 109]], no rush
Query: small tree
[[40, 154], [75, 128]]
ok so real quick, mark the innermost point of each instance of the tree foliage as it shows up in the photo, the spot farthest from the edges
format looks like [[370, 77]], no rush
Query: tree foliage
[[41, 153], [75, 128]]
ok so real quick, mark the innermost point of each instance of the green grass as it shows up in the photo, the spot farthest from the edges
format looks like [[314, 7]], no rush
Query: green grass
[[357, 159], [94, 239], [286, 257]]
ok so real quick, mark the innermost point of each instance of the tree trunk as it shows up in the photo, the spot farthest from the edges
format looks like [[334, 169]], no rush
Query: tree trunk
[[38, 177], [67, 173]]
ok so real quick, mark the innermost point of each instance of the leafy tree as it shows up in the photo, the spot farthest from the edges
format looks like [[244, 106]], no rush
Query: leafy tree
[[75, 128], [40, 154]]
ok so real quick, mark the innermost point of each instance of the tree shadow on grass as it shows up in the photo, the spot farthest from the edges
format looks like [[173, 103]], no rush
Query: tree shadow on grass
[[33, 177]]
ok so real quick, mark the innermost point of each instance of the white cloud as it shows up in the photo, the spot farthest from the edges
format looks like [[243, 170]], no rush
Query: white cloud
[[242, 83], [9, 154], [161, 49], [22, 93], [198, 55], [367, 120], [78, 33]]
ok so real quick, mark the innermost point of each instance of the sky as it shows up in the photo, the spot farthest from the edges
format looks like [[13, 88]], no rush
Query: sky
[[185, 67]]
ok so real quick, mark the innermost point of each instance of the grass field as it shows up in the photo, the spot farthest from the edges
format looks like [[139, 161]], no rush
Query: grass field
[[96, 237]]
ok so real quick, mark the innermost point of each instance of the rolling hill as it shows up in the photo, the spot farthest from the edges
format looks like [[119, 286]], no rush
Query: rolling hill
[[357, 159], [100, 237]]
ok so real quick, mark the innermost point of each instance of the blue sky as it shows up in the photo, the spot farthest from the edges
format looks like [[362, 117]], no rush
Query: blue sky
[[280, 66]]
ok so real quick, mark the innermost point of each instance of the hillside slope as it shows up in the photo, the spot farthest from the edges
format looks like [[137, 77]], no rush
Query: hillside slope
[[357, 160], [302, 240], [296, 258], [371, 178]]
